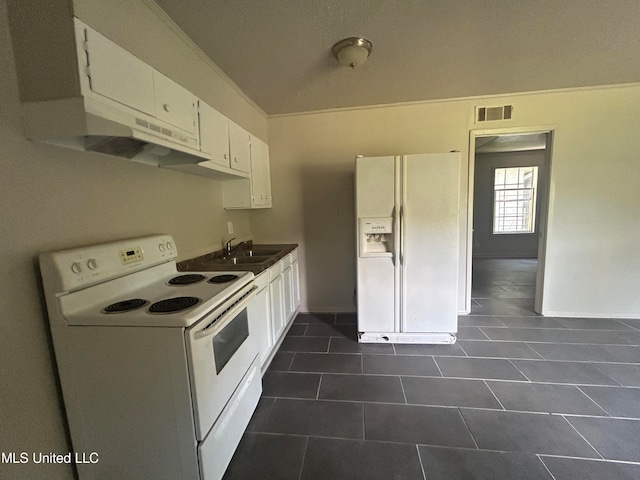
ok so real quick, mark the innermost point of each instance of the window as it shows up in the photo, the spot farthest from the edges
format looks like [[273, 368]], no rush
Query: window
[[514, 200]]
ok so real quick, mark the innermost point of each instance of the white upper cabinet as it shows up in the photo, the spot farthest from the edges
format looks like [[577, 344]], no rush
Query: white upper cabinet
[[214, 135], [254, 192], [174, 104], [117, 74], [239, 147], [260, 174]]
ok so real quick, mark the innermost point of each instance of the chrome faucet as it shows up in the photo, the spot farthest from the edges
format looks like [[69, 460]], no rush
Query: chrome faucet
[[228, 246], [229, 249]]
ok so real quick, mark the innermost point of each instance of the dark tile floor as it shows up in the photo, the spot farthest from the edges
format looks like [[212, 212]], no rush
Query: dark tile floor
[[518, 397]]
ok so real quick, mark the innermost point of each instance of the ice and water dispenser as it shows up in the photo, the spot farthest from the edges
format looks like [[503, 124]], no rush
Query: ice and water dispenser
[[376, 236]]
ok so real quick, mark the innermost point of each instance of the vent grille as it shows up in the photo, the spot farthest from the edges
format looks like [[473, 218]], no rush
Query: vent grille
[[165, 131], [491, 114]]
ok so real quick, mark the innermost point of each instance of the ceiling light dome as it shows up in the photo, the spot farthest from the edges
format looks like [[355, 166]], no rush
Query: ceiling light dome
[[352, 51]]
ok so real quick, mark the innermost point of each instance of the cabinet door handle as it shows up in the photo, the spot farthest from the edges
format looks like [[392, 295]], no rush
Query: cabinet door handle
[[166, 107], [226, 157]]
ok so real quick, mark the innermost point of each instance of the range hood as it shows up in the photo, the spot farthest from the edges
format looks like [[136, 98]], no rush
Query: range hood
[[104, 126], [98, 97]]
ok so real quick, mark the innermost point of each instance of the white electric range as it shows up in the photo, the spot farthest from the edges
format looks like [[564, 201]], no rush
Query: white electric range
[[158, 371]]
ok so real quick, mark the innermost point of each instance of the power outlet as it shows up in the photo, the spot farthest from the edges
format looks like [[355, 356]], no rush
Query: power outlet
[[230, 227]]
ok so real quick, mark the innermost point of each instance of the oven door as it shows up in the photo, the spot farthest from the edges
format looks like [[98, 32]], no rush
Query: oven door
[[219, 354]]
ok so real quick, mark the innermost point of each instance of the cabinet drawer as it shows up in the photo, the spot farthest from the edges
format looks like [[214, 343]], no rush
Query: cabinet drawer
[[294, 255], [216, 450], [261, 280], [275, 271], [174, 104]]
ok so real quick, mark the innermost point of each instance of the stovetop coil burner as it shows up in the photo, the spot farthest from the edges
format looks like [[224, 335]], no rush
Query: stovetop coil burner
[[186, 279], [125, 306], [222, 278], [175, 304]]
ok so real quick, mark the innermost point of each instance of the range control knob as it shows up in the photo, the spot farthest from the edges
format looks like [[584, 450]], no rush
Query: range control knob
[[161, 247], [92, 264], [76, 267], [170, 245]]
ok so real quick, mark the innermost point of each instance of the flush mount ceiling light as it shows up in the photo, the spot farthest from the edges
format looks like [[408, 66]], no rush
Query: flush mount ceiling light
[[352, 51]]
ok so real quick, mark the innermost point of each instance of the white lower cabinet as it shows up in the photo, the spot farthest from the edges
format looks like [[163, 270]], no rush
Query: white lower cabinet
[[259, 312], [287, 281], [275, 305], [295, 274], [276, 293]]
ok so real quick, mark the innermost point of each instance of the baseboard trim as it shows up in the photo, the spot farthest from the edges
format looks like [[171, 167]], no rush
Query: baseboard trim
[[595, 316]]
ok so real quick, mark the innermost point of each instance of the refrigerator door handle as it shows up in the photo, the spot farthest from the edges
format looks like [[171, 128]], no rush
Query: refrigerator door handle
[[402, 212], [394, 225]]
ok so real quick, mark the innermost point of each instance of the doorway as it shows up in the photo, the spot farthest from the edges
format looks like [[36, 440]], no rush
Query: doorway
[[509, 174]]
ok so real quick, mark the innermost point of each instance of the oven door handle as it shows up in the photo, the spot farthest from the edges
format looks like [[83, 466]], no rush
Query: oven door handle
[[229, 314]]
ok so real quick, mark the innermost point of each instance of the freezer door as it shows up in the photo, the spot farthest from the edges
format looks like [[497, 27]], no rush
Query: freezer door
[[375, 186], [430, 242], [377, 191]]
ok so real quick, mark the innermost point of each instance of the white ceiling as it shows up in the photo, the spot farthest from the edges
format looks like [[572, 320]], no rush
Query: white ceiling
[[279, 52]]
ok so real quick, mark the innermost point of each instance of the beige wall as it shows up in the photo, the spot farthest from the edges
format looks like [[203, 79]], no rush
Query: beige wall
[[54, 198], [594, 221]]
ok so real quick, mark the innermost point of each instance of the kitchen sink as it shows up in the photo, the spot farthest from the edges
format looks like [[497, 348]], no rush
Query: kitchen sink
[[266, 253], [242, 260]]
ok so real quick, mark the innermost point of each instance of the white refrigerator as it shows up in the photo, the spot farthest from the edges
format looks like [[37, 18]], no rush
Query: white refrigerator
[[407, 223]]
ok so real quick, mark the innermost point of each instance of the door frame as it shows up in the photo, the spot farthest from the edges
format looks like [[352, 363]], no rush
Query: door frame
[[544, 214]]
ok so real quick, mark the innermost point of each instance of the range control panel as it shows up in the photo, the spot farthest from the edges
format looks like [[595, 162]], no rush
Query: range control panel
[[130, 256], [80, 267]]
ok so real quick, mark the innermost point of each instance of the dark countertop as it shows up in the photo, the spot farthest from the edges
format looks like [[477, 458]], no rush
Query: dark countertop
[[212, 261]]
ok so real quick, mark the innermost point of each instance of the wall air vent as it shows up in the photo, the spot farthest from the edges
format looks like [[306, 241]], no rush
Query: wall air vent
[[490, 114]]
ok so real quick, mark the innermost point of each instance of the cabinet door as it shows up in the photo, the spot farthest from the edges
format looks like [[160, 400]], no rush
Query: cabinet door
[[287, 281], [260, 173], [276, 292], [259, 312], [174, 104], [239, 147], [117, 74], [214, 134], [295, 279]]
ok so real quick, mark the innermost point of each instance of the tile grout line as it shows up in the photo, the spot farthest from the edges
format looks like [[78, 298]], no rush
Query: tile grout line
[[494, 395], [461, 348], [319, 383], [483, 332], [599, 406], [402, 388], [364, 423], [583, 437], [605, 373], [291, 362], [451, 377], [438, 366], [304, 455], [545, 466], [473, 437], [424, 474], [450, 407], [521, 372]]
